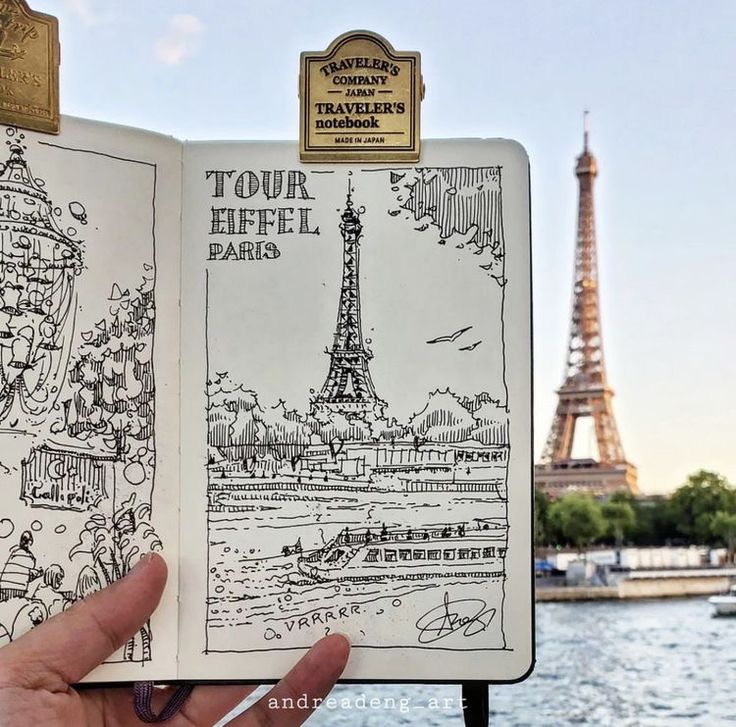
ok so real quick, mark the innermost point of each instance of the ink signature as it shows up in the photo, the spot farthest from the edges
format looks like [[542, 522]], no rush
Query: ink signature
[[468, 615]]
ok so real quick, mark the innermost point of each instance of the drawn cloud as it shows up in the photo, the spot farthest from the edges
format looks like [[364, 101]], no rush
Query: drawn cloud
[[180, 40]]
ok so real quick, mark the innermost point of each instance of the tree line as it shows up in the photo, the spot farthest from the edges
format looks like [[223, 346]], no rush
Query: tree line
[[700, 512]]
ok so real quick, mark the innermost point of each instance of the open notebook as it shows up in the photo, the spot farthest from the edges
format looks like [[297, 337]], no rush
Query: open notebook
[[309, 386]]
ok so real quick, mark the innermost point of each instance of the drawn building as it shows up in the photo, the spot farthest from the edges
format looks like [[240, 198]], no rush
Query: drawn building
[[61, 479], [349, 388], [439, 466], [585, 391]]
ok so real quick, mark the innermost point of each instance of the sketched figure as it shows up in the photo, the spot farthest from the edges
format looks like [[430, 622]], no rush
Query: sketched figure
[[88, 582], [19, 570], [18, 616], [31, 614], [48, 590]]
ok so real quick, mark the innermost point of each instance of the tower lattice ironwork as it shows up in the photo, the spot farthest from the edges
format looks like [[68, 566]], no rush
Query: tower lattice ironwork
[[348, 388], [585, 391]]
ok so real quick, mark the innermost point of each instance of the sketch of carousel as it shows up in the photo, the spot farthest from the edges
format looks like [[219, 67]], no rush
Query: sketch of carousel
[[39, 262]]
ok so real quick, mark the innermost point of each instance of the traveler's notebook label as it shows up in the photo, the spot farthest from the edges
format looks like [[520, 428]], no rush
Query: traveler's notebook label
[[360, 101]]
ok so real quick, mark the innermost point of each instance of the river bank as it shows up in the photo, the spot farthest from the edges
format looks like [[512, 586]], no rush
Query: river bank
[[645, 584]]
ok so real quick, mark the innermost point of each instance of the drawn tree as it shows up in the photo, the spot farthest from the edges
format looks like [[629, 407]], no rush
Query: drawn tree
[[112, 378], [443, 419], [336, 429], [491, 420], [113, 545], [284, 433], [386, 429], [240, 430], [461, 205]]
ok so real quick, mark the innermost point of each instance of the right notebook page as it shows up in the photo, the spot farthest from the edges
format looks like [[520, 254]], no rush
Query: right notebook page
[[356, 412]]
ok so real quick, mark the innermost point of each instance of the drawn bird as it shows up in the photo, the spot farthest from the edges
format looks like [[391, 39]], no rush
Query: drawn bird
[[471, 347], [451, 337]]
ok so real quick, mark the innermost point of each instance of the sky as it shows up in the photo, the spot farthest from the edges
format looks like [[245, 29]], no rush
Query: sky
[[659, 79]]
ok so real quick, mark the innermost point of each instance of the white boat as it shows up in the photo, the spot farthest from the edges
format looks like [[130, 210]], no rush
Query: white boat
[[724, 605]]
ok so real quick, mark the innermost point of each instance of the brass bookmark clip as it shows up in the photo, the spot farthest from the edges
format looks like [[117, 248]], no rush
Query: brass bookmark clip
[[29, 68], [360, 101]]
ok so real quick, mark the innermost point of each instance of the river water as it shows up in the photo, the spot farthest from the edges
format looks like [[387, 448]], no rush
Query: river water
[[608, 663]]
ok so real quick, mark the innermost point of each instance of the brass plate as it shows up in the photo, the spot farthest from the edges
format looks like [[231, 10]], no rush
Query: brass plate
[[360, 101], [29, 68]]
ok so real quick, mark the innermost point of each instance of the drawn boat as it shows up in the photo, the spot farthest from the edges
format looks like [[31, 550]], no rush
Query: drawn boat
[[292, 549], [452, 551]]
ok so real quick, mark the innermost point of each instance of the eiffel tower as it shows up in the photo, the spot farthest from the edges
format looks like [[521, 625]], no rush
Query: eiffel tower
[[585, 391], [349, 388]]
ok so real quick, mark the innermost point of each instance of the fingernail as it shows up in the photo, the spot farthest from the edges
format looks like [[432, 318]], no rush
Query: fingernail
[[345, 636], [144, 560]]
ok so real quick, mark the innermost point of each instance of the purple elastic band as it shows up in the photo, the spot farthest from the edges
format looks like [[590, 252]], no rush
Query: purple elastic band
[[142, 695]]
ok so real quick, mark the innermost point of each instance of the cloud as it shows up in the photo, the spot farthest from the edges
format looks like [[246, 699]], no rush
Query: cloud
[[84, 10], [180, 40]]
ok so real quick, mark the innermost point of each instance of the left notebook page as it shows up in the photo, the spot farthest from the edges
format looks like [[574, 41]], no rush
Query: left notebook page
[[89, 381]]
